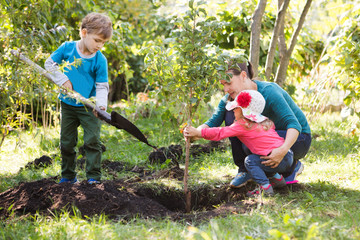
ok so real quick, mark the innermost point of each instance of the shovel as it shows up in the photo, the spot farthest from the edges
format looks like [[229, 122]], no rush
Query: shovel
[[114, 119]]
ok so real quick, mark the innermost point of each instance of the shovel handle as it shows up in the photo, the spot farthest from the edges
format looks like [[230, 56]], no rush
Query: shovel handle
[[103, 115]]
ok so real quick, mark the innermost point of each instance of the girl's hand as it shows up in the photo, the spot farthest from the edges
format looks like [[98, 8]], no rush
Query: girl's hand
[[191, 132]]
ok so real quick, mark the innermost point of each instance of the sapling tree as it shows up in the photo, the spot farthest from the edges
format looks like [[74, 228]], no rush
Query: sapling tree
[[188, 66]]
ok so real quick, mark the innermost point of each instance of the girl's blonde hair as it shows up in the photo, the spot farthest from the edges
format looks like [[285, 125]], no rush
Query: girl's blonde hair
[[97, 23], [266, 124]]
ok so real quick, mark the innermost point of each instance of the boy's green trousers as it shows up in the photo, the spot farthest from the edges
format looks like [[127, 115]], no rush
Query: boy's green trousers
[[71, 118]]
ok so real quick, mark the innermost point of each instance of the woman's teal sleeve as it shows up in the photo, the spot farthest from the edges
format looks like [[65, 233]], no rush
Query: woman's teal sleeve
[[219, 115]]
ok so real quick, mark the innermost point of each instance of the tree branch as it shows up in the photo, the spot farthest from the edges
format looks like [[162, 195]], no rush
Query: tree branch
[[282, 69], [255, 35], [282, 43], [271, 53]]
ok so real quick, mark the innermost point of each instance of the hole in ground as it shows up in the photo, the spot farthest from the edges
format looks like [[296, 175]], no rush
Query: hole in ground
[[123, 199], [203, 197]]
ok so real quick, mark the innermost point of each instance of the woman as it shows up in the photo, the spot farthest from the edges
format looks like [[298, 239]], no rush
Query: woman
[[258, 133], [290, 122]]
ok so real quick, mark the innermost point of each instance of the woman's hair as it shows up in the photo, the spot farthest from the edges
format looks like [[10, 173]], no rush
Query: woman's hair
[[97, 23], [245, 66], [266, 124]]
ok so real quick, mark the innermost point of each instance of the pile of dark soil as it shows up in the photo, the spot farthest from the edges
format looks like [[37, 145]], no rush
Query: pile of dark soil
[[43, 161], [109, 197], [198, 149], [127, 198], [175, 152]]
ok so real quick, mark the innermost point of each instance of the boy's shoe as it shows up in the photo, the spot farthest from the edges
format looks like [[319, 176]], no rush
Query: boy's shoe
[[240, 180], [93, 181], [278, 183], [66, 180], [297, 171], [260, 190]]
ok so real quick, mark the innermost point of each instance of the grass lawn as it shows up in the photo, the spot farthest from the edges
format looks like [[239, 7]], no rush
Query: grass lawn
[[327, 207]]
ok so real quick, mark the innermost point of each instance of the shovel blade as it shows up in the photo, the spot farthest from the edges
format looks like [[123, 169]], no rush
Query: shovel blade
[[122, 123]]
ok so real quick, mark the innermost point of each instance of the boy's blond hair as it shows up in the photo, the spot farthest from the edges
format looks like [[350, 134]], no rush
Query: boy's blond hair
[[97, 23]]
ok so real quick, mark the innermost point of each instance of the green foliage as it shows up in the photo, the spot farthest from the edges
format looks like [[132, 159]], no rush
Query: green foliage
[[348, 52], [130, 32], [305, 56], [236, 29], [27, 26], [37, 28], [187, 67]]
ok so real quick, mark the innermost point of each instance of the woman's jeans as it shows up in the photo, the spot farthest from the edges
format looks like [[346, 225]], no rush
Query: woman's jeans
[[259, 172], [300, 147]]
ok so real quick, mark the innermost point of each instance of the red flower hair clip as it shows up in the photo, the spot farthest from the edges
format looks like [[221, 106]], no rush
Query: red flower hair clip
[[244, 99]]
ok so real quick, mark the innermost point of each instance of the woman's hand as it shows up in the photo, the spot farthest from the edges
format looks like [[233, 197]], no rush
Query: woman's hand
[[276, 156], [191, 132]]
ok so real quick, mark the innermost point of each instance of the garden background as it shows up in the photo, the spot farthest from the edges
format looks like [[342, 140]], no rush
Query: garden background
[[151, 88]]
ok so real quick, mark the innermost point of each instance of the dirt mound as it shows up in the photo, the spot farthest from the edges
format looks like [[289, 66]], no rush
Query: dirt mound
[[172, 173], [110, 197], [119, 200], [175, 152], [128, 198], [198, 149], [43, 161]]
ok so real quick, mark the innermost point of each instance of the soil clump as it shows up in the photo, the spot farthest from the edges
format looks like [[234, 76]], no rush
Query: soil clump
[[43, 161], [175, 152]]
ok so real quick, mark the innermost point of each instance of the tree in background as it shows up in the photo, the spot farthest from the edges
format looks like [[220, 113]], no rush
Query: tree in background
[[278, 38], [38, 27], [188, 66], [29, 27], [345, 52]]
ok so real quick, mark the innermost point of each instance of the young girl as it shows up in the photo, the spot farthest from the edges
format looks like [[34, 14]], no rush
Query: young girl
[[258, 133]]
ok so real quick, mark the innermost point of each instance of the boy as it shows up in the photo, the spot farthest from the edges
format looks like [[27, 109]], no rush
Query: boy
[[89, 78]]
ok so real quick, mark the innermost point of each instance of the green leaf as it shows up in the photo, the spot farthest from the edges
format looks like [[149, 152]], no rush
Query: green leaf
[[286, 219], [194, 100], [191, 4]]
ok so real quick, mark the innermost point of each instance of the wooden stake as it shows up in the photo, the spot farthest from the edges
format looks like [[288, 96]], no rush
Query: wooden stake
[[186, 174]]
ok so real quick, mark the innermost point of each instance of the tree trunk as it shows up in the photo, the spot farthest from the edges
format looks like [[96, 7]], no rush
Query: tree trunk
[[282, 43], [3, 138], [255, 35], [280, 18], [186, 175], [187, 193], [118, 89], [282, 69]]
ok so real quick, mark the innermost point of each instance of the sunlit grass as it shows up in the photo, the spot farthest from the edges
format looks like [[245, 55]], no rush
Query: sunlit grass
[[213, 168], [326, 209], [22, 147], [328, 170]]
